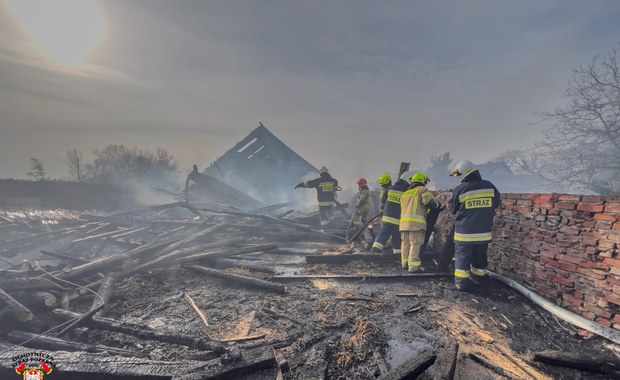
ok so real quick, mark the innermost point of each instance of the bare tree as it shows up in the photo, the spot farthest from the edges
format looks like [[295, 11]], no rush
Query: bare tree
[[440, 164], [37, 171], [581, 149], [75, 163]]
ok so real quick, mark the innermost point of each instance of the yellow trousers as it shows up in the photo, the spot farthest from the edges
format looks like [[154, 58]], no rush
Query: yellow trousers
[[410, 249]]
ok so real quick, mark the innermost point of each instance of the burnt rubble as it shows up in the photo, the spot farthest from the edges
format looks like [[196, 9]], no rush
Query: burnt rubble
[[180, 291]]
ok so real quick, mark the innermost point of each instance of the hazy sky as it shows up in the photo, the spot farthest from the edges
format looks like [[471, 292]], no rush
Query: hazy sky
[[357, 86]]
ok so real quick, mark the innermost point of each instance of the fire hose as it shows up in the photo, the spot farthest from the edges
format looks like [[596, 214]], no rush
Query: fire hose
[[350, 238]]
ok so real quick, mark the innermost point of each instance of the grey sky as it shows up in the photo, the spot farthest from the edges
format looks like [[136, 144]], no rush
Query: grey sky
[[357, 86]]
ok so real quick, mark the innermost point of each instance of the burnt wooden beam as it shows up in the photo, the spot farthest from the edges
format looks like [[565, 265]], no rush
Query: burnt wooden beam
[[107, 324], [413, 367], [227, 263], [98, 366], [15, 308], [582, 362], [285, 277], [104, 293], [342, 259], [243, 280], [45, 342]]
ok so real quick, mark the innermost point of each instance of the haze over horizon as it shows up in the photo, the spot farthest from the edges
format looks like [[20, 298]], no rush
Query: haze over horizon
[[358, 86]]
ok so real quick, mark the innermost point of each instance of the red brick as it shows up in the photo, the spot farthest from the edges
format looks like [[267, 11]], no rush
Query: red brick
[[597, 310], [589, 241], [604, 322], [605, 217], [589, 223], [588, 315], [553, 212], [606, 244], [563, 281], [612, 207], [617, 318], [615, 270], [591, 234], [570, 259], [612, 262], [552, 262], [564, 205], [538, 198], [604, 225], [571, 300], [568, 267], [569, 198], [590, 207], [613, 299], [592, 199], [578, 294], [592, 273], [616, 226]]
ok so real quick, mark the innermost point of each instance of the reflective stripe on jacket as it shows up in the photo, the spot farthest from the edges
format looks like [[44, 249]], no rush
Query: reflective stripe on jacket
[[325, 187], [474, 202], [391, 211]]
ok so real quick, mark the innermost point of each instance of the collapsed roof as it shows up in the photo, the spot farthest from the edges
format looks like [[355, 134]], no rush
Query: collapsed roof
[[262, 166]]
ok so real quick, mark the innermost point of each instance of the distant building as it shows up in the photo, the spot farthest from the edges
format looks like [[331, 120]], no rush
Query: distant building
[[262, 166]]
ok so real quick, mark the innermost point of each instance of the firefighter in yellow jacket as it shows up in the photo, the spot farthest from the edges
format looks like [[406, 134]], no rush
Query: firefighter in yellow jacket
[[414, 206]]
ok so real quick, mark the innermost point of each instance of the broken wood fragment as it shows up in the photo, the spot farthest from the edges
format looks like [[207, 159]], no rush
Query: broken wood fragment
[[200, 314], [104, 293], [108, 324], [31, 340], [250, 361], [584, 362], [243, 280], [484, 336], [497, 368], [15, 308], [413, 367], [243, 338]]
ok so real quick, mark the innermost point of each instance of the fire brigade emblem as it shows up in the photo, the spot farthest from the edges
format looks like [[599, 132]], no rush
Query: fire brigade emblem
[[33, 366]]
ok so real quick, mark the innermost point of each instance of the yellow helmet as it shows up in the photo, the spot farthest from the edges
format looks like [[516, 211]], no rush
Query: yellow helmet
[[420, 177], [384, 179]]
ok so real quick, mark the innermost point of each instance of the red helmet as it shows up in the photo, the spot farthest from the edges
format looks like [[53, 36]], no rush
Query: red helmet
[[362, 182]]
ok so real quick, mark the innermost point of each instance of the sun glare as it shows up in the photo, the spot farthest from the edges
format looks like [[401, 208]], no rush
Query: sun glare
[[65, 30]]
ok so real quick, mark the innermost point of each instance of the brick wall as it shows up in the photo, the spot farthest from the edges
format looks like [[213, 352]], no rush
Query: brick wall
[[564, 247]]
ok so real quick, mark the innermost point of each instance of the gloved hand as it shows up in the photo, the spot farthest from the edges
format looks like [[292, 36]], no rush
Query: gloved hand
[[301, 184], [441, 206]]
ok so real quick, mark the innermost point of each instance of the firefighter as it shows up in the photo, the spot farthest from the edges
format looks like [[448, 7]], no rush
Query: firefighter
[[385, 181], [390, 221], [326, 187], [415, 205], [362, 208], [473, 202]]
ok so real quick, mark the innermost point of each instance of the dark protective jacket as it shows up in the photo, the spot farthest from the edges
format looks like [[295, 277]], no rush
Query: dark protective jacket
[[383, 196], [391, 211], [325, 187], [474, 202]]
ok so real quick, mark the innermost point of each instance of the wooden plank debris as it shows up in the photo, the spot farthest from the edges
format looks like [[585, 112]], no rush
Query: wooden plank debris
[[15, 308], [600, 364], [343, 259], [243, 280], [412, 367], [199, 312], [108, 324]]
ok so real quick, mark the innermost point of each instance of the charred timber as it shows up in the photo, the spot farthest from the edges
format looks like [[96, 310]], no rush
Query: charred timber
[[15, 308], [31, 340], [413, 367], [579, 361], [107, 324], [227, 263], [341, 259], [243, 280]]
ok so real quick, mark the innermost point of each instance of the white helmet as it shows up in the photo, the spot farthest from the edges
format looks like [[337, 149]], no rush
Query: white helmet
[[407, 176], [463, 168], [323, 169]]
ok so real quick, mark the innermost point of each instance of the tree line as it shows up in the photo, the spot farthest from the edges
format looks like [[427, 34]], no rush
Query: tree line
[[112, 162]]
